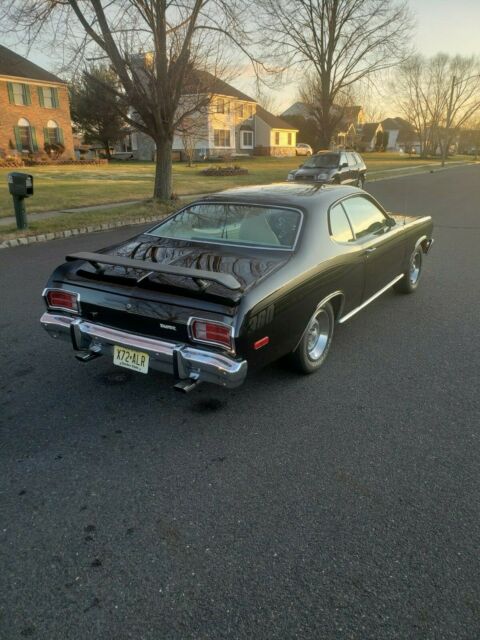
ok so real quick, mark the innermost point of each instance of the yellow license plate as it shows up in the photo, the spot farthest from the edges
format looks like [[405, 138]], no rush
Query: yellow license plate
[[130, 359]]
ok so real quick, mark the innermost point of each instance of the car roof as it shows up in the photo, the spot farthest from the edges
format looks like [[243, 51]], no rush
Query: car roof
[[303, 196]]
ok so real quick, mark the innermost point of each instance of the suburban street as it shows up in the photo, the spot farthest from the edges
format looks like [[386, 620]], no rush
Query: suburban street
[[339, 505]]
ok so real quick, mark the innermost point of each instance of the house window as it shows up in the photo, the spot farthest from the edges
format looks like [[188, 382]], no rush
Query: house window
[[240, 110], [289, 139], [23, 135], [277, 138], [18, 93], [50, 98], [52, 133], [220, 105], [221, 137], [247, 140], [249, 111]]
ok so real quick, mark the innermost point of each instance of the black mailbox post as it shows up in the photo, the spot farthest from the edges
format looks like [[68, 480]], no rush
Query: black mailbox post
[[20, 186]]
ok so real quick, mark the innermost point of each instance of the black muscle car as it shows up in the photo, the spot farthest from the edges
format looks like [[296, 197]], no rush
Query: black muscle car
[[236, 280]]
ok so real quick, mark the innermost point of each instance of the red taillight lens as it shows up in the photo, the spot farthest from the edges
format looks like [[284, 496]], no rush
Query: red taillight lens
[[211, 332], [62, 300]]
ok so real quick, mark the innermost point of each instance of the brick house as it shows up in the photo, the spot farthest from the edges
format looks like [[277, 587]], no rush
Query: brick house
[[34, 107]]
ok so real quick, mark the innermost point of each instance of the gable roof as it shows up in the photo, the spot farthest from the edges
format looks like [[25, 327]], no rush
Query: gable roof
[[368, 130], [205, 82], [395, 124], [297, 109], [12, 64], [273, 121]]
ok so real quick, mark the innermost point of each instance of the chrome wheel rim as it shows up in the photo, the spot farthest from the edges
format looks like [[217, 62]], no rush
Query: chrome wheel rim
[[318, 335], [415, 266]]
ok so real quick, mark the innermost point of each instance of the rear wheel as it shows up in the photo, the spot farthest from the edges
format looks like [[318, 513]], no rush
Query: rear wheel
[[315, 343], [410, 280]]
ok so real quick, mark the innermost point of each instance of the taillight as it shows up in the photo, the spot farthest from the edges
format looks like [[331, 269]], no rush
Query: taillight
[[211, 332], [64, 300]]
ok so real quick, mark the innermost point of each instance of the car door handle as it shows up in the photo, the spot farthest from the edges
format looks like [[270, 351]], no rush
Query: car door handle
[[370, 250]]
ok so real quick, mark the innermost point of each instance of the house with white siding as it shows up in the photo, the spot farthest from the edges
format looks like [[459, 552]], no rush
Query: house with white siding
[[231, 125]]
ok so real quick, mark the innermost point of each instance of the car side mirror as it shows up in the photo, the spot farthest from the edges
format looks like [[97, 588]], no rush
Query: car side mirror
[[390, 222], [344, 165]]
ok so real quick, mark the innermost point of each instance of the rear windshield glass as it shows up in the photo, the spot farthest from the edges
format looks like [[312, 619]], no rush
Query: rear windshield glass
[[233, 224], [323, 160]]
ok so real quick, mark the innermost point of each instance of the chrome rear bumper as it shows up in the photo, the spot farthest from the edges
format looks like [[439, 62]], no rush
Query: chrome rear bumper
[[180, 360]]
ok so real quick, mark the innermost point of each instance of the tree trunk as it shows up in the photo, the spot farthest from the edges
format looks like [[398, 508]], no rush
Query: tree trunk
[[106, 146], [163, 170]]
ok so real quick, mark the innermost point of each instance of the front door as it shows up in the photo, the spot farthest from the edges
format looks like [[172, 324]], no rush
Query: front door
[[381, 243]]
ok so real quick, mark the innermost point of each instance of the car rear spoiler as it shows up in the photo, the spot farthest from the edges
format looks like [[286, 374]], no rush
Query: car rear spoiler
[[200, 276]]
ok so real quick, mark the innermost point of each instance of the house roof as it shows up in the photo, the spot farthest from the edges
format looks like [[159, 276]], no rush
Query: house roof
[[407, 135], [205, 82], [273, 121], [394, 124], [369, 129], [297, 109], [12, 64]]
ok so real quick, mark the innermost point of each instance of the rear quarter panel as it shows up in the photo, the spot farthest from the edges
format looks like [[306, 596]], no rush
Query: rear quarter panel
[[282, 305]]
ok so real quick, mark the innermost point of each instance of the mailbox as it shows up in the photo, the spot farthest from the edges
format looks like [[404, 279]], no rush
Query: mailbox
[[20, 184]]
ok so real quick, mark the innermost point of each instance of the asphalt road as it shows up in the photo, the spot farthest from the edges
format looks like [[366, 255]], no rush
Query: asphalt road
[[340, 505]]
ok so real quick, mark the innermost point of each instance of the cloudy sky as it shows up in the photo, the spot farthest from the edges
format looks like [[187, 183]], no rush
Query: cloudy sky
[[452, 26]]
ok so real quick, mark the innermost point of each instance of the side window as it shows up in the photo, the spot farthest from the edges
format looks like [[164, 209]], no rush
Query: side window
[[351, 160], [340, 229], [343, 159], [365, 217]]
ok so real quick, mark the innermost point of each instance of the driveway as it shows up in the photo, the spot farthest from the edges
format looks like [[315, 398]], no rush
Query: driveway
[[339, 505]]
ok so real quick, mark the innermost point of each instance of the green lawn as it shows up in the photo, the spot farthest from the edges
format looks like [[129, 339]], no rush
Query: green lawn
[[84, 219], [58, 188]]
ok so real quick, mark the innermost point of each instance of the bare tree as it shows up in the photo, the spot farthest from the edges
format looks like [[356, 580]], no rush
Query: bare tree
[[438, 96], [181, 37], [192, 131], [462, 85], [418, 100], [367, 94], [338, 42]]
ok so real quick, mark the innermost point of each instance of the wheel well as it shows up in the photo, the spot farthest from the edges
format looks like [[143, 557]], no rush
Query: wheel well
[[337, 304]]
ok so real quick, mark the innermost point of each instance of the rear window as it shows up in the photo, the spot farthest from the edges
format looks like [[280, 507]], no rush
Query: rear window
[[217, 223], [323, 160]]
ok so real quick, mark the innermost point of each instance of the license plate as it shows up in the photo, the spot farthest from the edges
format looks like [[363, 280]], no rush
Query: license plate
[[130, 359]]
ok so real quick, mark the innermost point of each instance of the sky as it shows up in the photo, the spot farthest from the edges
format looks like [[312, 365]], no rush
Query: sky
[[450, 26]]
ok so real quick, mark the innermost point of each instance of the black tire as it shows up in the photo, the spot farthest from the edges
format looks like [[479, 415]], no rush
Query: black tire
[[409, 282], [312, 351]]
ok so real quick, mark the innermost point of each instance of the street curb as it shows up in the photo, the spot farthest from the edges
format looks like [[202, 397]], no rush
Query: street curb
[[105, 226]]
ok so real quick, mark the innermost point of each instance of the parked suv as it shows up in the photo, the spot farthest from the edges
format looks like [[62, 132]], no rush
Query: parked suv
[[332, 167]]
